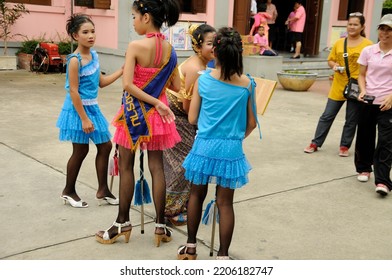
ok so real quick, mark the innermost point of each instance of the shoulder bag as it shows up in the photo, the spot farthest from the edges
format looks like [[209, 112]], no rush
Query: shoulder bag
[[351, 90]]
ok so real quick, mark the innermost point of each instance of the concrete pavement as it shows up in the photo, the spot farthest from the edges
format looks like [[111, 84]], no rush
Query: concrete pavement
[[296, 206]]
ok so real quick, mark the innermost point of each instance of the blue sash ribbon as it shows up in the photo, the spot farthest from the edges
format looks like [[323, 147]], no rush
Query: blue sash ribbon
[[135, 115]]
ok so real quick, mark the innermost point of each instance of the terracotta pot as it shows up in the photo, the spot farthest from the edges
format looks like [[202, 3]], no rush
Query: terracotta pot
[[296, 80], [24, 60]]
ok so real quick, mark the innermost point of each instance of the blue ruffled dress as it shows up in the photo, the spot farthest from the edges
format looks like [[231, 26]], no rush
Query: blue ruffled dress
[[217, 155], [69, 122]]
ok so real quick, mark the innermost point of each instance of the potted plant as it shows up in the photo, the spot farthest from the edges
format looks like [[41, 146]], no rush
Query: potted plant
[[25, 53], [296, 80], [9, 14]]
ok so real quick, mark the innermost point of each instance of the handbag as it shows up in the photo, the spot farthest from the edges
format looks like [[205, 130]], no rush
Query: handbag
[[351, 90]]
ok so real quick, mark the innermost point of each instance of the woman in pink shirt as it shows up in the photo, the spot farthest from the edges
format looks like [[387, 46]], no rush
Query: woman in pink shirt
[[297, 24], [374, 78], [271, 9]]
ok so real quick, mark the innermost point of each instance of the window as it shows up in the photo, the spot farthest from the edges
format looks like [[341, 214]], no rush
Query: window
[[349, 6], [97, 4], [193, 6], [33, 2]]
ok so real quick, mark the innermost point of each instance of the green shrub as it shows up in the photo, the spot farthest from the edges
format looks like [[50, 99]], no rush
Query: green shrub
[[65, 47], [28, 46]]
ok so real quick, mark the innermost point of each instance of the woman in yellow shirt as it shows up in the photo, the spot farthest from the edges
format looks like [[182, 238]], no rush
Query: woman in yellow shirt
[[356, 41]]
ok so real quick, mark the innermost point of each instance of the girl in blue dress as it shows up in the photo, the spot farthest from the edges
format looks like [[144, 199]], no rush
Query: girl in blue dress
[[81, 120], [223, 107]]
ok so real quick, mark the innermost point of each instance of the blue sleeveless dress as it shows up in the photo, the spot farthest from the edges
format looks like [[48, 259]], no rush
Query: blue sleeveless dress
[[69, 122], [217, 155]]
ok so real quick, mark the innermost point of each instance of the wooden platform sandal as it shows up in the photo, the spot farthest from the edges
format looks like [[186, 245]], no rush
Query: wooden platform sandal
[[182, 253], [164, 237], [105, 239]]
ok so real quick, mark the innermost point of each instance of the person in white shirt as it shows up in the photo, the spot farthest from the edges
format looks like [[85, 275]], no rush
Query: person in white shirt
[[253, 11]]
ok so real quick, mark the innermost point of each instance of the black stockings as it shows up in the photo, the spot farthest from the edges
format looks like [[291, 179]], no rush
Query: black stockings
[[155, 164], [101, 166], [126, 161], [127, 183], [79, 153], [224, 201]]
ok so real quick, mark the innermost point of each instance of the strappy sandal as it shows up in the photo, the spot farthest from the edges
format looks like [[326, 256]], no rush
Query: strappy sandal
[[105, 239], [164, 237], [73, 202], [182, 253]]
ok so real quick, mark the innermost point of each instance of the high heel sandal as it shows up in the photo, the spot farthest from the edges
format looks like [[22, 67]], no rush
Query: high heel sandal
[[105, 239], [182, 253], [109, 200], [164, 237], [73, 202]]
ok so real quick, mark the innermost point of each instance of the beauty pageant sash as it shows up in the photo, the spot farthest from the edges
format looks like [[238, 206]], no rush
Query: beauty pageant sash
[[135, 115]]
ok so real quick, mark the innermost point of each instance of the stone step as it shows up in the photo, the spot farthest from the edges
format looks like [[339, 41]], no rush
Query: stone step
[[318, 65]]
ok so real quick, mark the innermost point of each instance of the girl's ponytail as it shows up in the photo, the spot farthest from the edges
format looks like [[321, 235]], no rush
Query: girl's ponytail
[[172, 11]]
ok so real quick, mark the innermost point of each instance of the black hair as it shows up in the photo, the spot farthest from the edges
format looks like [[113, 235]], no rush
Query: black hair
[[198, 35], [262, 7], [75, 21], [160, 10], [228, 52], [361, 21]]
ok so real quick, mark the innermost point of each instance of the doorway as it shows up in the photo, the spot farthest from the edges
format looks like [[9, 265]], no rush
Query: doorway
[[311, 35]]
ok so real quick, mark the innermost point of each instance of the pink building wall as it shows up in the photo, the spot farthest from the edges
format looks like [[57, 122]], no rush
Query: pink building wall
[[49, 22], [368, 11]]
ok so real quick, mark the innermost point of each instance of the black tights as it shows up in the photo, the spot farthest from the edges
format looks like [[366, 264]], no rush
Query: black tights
[[127, 183], [224, 201], [79, 153]]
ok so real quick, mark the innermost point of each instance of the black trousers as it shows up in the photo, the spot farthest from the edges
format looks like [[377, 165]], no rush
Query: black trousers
[[373, 124]]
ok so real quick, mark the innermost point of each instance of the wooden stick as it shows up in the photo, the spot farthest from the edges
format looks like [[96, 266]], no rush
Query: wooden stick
[[141, 187], [213, 230]]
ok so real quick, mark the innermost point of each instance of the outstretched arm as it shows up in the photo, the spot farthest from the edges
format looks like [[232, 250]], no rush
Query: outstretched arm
[[107, 80]]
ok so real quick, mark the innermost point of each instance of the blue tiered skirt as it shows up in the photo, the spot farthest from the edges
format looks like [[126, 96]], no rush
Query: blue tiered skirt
[[217, 161], [70, 125]]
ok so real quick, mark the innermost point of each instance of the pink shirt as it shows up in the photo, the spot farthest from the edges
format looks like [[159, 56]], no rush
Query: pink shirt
[[300, 14], [261, 19], [271, 9], [379, 72], [290, 25], [260, 41]]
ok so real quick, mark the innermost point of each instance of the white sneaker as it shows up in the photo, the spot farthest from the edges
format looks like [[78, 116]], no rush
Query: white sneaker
[[363, 177], [382, 189]]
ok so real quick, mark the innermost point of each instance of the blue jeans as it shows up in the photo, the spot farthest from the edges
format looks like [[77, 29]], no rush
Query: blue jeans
[[325, 122]]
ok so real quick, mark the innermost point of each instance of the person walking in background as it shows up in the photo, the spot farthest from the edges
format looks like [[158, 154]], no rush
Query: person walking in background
[[289, 25], [297, 25], [374, 79], [145, 120], [223, 106], [356, 42], [271, 9], [177, 188], [261, 19], [261, 40], [253, 12], [81, 120]]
